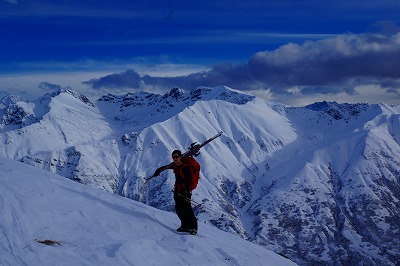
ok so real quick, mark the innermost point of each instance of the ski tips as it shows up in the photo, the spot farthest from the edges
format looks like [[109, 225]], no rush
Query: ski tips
[[218, 135], [145, 180]]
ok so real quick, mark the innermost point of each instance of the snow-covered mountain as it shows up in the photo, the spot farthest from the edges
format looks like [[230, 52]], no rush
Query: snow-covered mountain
[[318, 184], [49, 220]]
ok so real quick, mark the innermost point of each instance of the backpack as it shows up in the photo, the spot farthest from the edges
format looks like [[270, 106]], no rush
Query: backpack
[[194, 167]]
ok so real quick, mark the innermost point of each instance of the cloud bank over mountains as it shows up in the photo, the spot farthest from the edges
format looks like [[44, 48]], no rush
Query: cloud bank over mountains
[[347, 64]]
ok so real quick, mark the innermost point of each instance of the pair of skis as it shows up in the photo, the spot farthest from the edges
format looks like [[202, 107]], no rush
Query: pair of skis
[[194, 150]]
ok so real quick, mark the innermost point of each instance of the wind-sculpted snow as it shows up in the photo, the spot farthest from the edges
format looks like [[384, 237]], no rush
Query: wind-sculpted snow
[[318, 184]]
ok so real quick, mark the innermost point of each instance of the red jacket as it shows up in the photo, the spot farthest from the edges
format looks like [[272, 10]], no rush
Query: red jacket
[[183, 177]]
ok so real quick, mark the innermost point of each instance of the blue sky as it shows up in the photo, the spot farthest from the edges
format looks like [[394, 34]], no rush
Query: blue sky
[[294, 52]]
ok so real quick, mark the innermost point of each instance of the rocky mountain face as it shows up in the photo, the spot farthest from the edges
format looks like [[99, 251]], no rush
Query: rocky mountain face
[[318, 184]]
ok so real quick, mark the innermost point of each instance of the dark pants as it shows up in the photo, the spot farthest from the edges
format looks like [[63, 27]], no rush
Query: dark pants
[[184, 210]]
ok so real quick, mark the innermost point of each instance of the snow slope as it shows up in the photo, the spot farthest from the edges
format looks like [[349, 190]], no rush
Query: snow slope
[[319, 184], [88, 226]]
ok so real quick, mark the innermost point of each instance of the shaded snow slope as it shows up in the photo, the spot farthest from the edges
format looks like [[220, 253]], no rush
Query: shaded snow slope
[[87, 226]]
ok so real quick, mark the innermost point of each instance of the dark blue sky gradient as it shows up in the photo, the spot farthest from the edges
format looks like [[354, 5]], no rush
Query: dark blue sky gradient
[[195, 30], [207, 33]]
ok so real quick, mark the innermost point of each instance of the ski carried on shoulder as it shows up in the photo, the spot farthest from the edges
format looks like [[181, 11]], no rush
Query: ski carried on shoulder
[[194, 150]]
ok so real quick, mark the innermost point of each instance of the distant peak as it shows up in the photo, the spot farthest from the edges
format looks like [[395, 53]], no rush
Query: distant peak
[[321, 106], [175, 93], [11, 99], [221, 93], [73, 93], [339, 110]]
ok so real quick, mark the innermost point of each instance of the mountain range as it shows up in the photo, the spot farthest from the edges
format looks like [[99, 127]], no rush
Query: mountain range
[[318, 184]]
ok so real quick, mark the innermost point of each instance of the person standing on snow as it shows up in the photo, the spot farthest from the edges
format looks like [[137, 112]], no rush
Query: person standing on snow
[[182, 190], [183, 195], [187, 174]]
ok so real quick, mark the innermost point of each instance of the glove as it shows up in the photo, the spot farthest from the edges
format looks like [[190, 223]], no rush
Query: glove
[[195, 149]]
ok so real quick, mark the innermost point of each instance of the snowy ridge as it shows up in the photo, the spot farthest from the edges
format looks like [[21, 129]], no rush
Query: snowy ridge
[[16, 112], [49, 220], [318, 184], [142, 109]]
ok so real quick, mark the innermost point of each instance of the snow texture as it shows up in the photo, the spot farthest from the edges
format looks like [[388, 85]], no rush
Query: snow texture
[[49, 220]]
